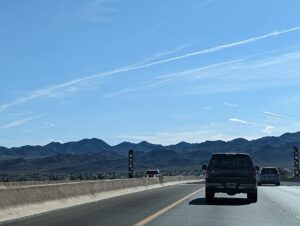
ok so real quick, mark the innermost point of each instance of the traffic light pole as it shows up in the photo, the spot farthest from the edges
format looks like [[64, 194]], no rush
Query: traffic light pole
[[296, 161]]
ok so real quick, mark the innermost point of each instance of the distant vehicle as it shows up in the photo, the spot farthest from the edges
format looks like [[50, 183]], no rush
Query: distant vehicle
[[269, 175], [232, 174], [153, 173]]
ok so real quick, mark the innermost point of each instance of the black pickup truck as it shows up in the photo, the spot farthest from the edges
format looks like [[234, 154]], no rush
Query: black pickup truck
[[230, 173]]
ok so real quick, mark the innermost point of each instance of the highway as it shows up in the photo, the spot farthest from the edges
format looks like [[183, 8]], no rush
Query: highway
[[180, 205]]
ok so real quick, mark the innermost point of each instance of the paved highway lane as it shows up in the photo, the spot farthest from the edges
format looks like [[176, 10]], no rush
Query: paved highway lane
[[181, 205], [123, 210], [275, 206]]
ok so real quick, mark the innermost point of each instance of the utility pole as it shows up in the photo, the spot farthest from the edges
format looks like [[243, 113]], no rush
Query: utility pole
[[130, 163], [296, 161]]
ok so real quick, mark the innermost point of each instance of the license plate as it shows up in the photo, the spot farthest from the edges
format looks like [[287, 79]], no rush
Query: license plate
[[231, 185]]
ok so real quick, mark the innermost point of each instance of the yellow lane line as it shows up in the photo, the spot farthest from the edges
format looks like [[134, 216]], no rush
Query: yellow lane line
[[162, 211]]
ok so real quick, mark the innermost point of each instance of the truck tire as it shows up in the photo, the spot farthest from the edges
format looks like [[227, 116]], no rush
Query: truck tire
[[209, 196], [252, 197]]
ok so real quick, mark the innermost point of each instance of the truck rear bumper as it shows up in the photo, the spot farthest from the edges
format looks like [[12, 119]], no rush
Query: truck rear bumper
[[222, 188], [269, 181]]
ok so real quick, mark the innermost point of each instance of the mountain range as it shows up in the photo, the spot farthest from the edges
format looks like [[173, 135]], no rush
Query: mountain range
[[94, 155]]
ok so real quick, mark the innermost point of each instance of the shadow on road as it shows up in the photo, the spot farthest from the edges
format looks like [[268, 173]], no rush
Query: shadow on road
[[221, 202]]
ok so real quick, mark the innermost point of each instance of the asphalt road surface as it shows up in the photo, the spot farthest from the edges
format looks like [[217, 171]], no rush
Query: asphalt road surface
[[181, 205]]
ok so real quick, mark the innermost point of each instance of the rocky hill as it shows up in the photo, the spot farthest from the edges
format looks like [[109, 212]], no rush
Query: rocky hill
[[93, 155]]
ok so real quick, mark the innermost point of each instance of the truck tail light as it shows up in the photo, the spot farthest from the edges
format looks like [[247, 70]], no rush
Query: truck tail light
[[209, 174]]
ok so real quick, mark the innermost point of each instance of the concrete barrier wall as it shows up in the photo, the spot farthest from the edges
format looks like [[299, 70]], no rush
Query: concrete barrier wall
[[24, 200], [14, 184], [26, 183], [290, 179], [37, 193]]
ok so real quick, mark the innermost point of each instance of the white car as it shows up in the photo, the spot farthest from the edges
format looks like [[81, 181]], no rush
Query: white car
[[153, 173], [269, 175]]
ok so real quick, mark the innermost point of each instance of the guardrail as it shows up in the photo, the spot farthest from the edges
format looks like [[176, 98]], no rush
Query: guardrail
[[23, 199]]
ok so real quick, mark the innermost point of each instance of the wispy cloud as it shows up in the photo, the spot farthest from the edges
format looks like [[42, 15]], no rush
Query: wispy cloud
[[99, 10], [119, 92], [159, 26], [20, 113], [230, 104], [49, 124], [268, 129], [167, 138], [226, 77], [18, 122], [48, 91], [198, 70], [275, 115], [141, 34], [155, 85], [159, 55], [225, 46], [200, 133], [237, 120]]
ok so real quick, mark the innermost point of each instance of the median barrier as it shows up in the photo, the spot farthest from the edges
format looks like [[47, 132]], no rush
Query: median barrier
[[290, 179], [20, 200]]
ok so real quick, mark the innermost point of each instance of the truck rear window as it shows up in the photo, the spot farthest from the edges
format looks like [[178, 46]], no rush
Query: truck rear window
[[269, 171], [230, 162]]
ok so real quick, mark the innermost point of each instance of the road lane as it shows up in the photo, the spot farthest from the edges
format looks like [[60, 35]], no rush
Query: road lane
[[122, 210], [162, 211], [275, 206], [287, 197]]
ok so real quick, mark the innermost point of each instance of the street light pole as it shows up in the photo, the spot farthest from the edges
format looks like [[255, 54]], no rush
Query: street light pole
[[296, 161], [130, 163]]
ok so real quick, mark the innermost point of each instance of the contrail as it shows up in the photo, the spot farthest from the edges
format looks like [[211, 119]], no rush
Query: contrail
[[272, 114], [47, 91], [225, 46], [19, 122], [241, 121]]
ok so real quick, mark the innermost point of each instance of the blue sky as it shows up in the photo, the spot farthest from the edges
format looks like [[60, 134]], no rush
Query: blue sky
[[161, 71]]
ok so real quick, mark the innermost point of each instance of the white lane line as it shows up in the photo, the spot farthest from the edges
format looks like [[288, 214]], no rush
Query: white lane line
[[162, 211], [190, 184]]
